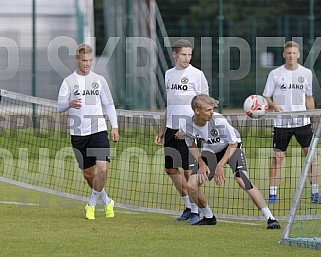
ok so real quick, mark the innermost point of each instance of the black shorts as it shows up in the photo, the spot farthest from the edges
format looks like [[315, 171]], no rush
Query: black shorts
[[236, 162], [176, 152], [282, 137], [89, 149]]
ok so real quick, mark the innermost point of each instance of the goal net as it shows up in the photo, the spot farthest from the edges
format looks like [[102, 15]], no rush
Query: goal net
[[35, 152], [303, 224]]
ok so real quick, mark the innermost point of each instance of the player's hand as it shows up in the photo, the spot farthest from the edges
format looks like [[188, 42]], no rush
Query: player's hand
[[114, 134], [202, 174], [219, 175], [179, 135], [277, 108], [76, 103], [201, 178], [159, 140]]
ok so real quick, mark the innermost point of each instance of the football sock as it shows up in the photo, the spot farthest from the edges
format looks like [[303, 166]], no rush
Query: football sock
[[273, 190], [314, 188], [267, 213], [104, 197], [194, 208], [186, 201], [94, 197], [207, 212]]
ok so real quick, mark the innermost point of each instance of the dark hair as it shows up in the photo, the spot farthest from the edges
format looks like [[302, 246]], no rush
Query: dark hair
[[179, 44]]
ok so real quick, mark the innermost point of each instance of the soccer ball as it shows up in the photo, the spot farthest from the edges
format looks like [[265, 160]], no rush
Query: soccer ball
[[255, 106]]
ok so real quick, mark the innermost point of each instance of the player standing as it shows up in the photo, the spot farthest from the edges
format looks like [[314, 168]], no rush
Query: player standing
[[84, 94], [182, 83], [289, 88], [222, 146]]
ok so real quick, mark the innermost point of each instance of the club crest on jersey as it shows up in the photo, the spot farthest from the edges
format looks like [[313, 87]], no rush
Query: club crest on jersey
[[184, 80], [214, 132], [95, 85], [300, 79]]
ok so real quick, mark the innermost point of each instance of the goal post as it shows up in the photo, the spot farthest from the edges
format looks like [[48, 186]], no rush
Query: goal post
[[308, 232]]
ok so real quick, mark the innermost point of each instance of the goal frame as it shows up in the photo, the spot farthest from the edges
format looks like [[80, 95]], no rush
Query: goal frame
[[286, 239]]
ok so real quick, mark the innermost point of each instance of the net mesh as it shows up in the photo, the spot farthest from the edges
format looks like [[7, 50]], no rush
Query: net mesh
[[36, 152]]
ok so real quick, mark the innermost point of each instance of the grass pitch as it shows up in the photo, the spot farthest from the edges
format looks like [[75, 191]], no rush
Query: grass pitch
[[38, 224]]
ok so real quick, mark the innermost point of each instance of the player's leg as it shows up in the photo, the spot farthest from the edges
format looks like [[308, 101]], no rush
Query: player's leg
[[275, 174], [238, 165], [100, 149], [198, 197], [196, 193], [174, 150], [80, 144], [304, 136], [89, 175], [180, 184], [259, 201], [281, 139]]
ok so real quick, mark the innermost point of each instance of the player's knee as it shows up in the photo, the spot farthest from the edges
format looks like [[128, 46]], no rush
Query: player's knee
[[172, 172], [89, 173], [192, 186], [278, 157], [243, 180], [102, 171]]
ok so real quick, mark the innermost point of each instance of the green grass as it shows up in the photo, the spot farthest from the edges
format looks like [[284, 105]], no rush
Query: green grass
[[56, 227]]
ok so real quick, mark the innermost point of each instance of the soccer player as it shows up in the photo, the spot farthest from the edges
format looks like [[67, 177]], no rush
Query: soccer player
[[222, 146], [84, 94], [182, 83], [289, 88]]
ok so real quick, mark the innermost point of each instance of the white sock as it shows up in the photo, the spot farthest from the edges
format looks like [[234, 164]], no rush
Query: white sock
[[94, 197], [207, 212], [194, 208], [104, 197], [186, 201], [267, 213], [273, 190], [314, 188]]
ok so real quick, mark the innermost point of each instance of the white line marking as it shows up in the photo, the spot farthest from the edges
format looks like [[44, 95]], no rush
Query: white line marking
[[17, 203], [118, 211]]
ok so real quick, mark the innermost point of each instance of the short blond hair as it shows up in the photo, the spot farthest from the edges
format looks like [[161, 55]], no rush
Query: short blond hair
[[200, 100], [83, 48], [291, 44]]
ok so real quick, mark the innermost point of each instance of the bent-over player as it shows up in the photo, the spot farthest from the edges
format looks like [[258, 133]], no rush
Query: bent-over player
[[222, 146]]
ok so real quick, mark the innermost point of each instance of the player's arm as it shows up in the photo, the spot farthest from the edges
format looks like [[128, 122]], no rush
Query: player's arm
[[63, 98], [108, 103], [272, 105], [219, 170], [203, 169], [309, 101], [160, 135], [268, 92], [310, 104]]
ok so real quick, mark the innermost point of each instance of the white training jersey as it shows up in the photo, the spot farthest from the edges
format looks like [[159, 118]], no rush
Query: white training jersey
[[94, 93], [289, 89], [217, 133], [181, 86]]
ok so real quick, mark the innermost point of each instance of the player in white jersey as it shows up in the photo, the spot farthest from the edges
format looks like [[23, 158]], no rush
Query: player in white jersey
[[289, 88], [222, 146], [85, 95], [183, 82]]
